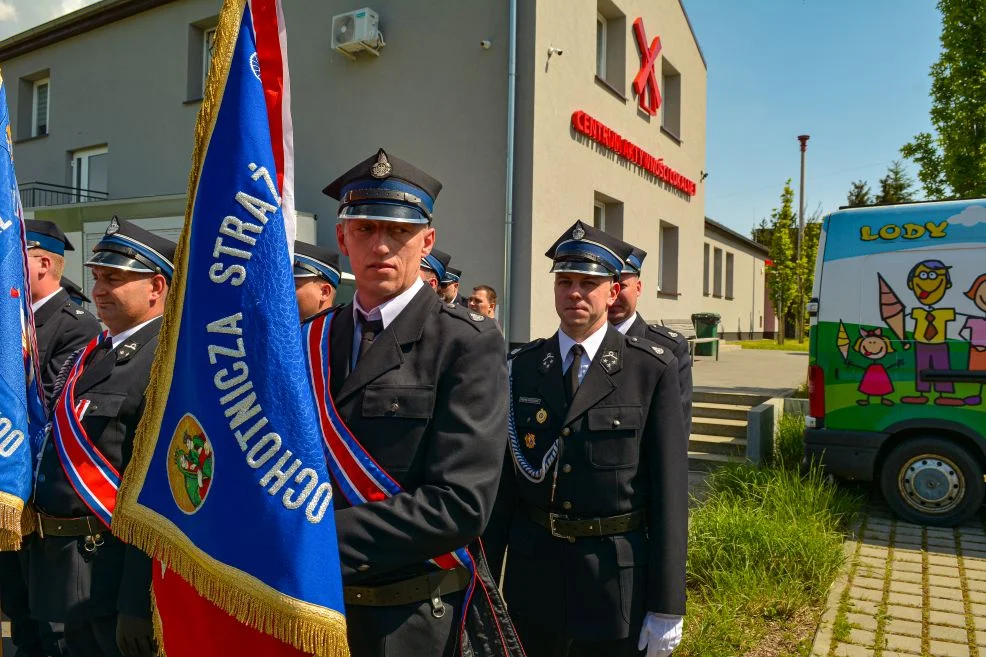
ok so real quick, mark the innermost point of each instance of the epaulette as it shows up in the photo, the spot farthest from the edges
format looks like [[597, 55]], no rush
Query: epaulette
[[75, 311], [474, 319], [527, 347], [666, 332], [657, 351]]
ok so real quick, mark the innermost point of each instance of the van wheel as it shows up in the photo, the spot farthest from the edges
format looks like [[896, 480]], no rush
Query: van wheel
[[932, 481]]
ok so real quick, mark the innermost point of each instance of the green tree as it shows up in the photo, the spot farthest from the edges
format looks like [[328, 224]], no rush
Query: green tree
[[783, 273], [952, 161], [896, 186], [859, 194]]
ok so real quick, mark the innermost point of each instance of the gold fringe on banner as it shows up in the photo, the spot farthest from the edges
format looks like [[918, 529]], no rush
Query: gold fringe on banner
[[310, 628], [15, 522]]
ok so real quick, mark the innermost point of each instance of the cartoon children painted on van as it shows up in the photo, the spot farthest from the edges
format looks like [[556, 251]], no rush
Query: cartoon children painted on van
[[873, 345], [975, 330], [929, 280]]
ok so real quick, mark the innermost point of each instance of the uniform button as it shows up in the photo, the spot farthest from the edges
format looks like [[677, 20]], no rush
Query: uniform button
[[616, 423], [566, 468], [633, 339], [566, 432], [363, 567], [566, 505]]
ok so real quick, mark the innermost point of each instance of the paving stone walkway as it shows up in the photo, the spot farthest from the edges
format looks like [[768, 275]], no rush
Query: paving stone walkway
[[908, 591]]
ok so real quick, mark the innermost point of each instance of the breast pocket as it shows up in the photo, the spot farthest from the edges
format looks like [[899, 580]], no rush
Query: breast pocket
[[103, 425], [405, 402], [614, 440]]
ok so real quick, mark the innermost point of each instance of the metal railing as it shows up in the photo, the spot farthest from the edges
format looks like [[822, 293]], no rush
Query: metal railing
[[41, 194]]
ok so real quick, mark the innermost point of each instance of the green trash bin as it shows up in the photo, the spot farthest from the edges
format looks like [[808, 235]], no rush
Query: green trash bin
[[706, 326]]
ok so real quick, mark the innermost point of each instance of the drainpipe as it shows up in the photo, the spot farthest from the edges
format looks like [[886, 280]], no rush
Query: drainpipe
[[508, 219]]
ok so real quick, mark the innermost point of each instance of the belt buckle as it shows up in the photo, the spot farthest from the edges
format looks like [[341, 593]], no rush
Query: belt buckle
[[552, 517]]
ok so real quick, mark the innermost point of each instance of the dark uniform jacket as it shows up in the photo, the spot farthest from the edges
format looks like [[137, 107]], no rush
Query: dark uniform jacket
[[428, 402], [623, 449], [62, 327], [678, 345], [67, 582]]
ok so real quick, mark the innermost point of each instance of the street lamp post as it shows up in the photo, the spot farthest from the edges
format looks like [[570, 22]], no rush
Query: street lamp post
[[803, 139]]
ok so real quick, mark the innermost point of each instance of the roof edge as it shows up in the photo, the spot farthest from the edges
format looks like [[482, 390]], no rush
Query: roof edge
[[698, 45], [78, 22], [715, 225]]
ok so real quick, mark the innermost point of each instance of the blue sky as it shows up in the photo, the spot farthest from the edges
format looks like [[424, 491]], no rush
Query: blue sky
[[852, 74]]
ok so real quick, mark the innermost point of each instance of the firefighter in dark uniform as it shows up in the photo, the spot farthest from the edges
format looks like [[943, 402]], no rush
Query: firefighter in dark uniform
[[593, 504], [433, 268], [79, 574], [422, 386], [61, 328], [448, 287], [624, 316], [316, 278]]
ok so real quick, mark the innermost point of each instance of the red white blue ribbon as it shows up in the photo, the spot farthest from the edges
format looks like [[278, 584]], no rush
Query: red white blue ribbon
[[90, 473]]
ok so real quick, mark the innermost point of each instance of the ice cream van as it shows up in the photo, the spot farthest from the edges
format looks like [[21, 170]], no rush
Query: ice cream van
[[897, 362]]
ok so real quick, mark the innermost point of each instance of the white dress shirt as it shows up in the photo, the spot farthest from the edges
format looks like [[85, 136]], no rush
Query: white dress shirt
[[120, 339], [40, 302], [591, 345], [625, 325], [386, 312]]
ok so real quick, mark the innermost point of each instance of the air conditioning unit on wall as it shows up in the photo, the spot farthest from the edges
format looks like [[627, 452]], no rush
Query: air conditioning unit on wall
[[355, 31]]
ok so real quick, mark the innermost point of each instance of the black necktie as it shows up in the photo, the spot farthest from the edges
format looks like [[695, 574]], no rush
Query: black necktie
[[369, 330], [572, 376], [99, 351]]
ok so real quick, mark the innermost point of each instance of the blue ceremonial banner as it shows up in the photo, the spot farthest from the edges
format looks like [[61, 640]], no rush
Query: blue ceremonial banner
[[22, 414], [228, 486]]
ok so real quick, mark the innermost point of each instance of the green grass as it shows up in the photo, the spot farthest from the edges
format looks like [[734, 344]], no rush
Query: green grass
[[790, 441], [789, 345], [763, 550]]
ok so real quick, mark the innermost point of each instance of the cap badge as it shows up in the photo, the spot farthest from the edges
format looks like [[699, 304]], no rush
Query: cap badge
[[530, 440], [609, 360], [114, 226], [381, 168], [578, 233], [541, 416]]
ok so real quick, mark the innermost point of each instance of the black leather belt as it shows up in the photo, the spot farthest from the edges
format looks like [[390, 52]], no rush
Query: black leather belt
[[561, 526], [84, 526], [416, 589]]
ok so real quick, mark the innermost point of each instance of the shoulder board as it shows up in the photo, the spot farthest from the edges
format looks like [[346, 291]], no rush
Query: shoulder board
[[666, 332], [524, 348], [76, 311], [474, 319], [662, 354]]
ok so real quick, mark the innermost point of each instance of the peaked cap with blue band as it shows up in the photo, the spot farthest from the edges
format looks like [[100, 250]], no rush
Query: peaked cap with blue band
[[311, 260], [452, 275], [437, 261], [129, 247], [583, 249], [634, 262], [385, 188], [46, 235]]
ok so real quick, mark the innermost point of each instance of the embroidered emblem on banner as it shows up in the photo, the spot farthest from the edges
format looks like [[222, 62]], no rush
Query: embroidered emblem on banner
[[541, 416], [530, 440], [190, 465]]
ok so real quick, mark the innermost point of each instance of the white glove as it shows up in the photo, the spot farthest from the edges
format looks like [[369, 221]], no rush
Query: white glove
[[660, 634]]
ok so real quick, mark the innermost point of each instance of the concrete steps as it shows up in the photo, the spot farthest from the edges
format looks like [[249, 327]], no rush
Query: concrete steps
[[719, 425]]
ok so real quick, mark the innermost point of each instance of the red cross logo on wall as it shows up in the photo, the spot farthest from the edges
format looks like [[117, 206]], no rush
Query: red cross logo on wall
[[645, 83]]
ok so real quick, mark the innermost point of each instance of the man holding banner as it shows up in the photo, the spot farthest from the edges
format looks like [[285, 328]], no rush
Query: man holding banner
[[80, 573], [412, 399]]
